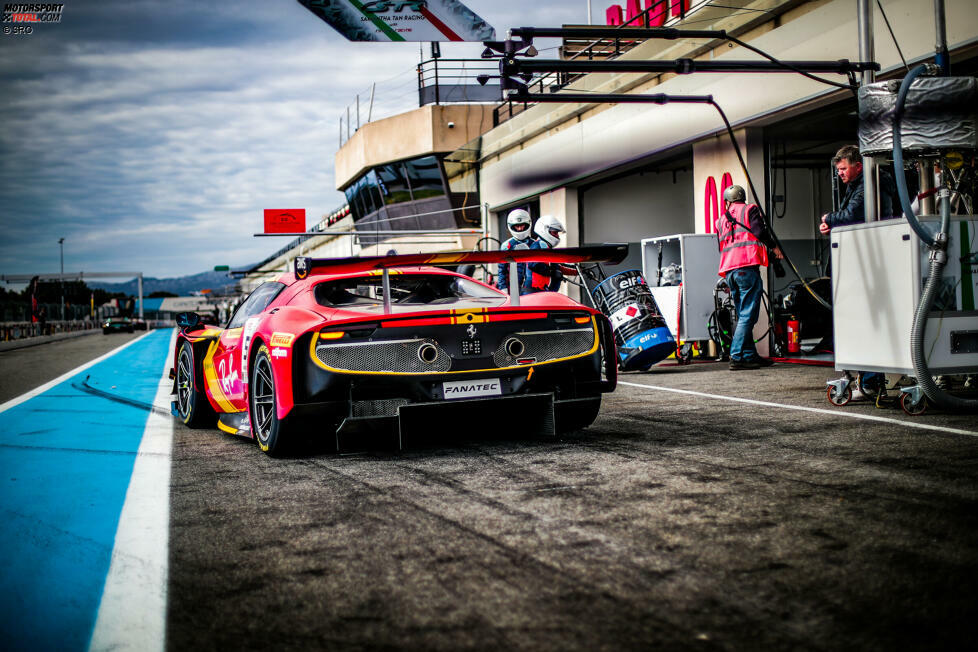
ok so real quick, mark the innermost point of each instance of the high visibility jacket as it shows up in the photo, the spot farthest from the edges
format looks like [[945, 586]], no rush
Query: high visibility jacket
[[739, 247]]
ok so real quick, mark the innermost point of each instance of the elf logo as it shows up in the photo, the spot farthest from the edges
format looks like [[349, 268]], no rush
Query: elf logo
[[397, 6], [631, 282]]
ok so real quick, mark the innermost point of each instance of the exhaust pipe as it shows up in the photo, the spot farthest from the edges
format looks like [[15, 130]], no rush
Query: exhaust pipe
[[514, 347], [427, 353]]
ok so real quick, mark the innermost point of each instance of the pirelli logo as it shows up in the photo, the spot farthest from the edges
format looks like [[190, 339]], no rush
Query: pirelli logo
[[282, 339], [470, 316]]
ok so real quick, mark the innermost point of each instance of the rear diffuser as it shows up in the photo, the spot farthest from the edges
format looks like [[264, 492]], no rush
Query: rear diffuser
[[450, 421]]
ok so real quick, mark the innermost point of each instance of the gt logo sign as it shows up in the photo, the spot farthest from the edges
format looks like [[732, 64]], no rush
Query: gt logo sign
[[381, 6], [471, 388]]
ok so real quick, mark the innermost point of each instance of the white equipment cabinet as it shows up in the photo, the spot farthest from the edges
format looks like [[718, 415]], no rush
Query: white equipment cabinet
[[698, 258], [878, 274]]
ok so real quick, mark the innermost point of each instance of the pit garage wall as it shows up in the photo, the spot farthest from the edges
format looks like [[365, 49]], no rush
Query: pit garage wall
[[808, 195], [647, 204], [641, 205]]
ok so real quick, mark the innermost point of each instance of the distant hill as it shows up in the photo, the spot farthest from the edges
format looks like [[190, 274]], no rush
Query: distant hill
[[182, 285]]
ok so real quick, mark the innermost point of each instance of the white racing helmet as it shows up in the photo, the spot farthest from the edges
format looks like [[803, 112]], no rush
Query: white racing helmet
[[549, 228], [518, 224]]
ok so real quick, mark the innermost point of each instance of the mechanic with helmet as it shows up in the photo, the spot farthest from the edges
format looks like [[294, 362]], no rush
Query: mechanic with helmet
[[546, 277], [744, 243], [518, 222]]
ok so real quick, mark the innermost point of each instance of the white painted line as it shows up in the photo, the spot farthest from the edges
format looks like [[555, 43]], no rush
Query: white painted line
[[60, 379], [834, 413], [132, 613]]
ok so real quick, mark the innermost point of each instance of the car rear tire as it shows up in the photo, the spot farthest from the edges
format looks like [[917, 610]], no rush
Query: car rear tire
[[192, 405], [577, 415], [270, 432]]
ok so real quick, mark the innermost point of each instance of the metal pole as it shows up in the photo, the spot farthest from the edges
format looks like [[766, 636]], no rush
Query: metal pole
[[371, 109], [386, 283], [511, 66], [925, 171], [589, 12], [437, 98], [514, 284], [485, 221], [866, 53], [358, 110], [139, 283], [61, 242], [348, 123], [941, 56]]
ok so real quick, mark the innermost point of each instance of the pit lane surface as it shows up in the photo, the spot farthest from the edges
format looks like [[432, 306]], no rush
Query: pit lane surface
[[677, 521]]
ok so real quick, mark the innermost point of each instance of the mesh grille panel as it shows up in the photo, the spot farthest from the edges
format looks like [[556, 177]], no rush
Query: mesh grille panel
[[398, 357], [380, 408], [547, 346]]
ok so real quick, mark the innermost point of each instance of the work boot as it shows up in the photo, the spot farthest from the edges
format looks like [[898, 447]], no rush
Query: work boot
[[763, 362], [739, 365]]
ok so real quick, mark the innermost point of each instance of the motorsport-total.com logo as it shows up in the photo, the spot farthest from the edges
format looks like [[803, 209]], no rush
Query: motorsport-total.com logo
[[20, 18]]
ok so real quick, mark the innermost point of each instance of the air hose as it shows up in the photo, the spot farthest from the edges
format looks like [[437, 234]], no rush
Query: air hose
[[938, 259], [901, 179]]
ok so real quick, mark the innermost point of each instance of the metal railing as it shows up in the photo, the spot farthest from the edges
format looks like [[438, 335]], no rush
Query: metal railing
[[445, 81], [438, 81]]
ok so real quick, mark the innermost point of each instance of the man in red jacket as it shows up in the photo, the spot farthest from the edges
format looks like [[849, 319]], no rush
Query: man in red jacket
[[744, 243]]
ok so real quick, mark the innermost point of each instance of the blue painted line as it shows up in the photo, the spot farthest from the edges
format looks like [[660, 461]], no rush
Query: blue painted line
[[66, 458]]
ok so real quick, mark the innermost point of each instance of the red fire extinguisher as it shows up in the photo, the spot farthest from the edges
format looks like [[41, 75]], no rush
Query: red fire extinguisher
[[794, 335]]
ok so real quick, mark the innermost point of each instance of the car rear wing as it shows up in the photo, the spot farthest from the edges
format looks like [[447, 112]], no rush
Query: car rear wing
[[606, 253]]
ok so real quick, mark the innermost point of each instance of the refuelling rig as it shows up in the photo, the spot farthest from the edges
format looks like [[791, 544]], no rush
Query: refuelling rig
[[904, 290]]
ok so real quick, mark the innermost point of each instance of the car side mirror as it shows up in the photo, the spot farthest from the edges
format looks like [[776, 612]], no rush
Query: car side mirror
[[189, 321]]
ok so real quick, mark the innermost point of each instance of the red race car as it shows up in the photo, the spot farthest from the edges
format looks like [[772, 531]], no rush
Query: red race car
[[343, 348]]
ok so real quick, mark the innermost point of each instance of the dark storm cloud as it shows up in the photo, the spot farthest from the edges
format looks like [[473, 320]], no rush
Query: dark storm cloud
[[152, 134]]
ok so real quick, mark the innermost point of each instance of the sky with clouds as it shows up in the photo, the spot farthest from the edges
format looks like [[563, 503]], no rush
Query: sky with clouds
[[150, 135]]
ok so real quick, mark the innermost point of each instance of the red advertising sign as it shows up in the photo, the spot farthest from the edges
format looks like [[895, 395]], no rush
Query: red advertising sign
[[655, 12], [285, 220], [713, 201]]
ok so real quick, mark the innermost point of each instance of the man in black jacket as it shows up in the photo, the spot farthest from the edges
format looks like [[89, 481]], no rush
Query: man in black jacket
[[848, 163]]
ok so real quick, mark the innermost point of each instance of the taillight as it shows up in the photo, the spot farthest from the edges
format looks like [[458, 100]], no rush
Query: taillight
[[568, 318]]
